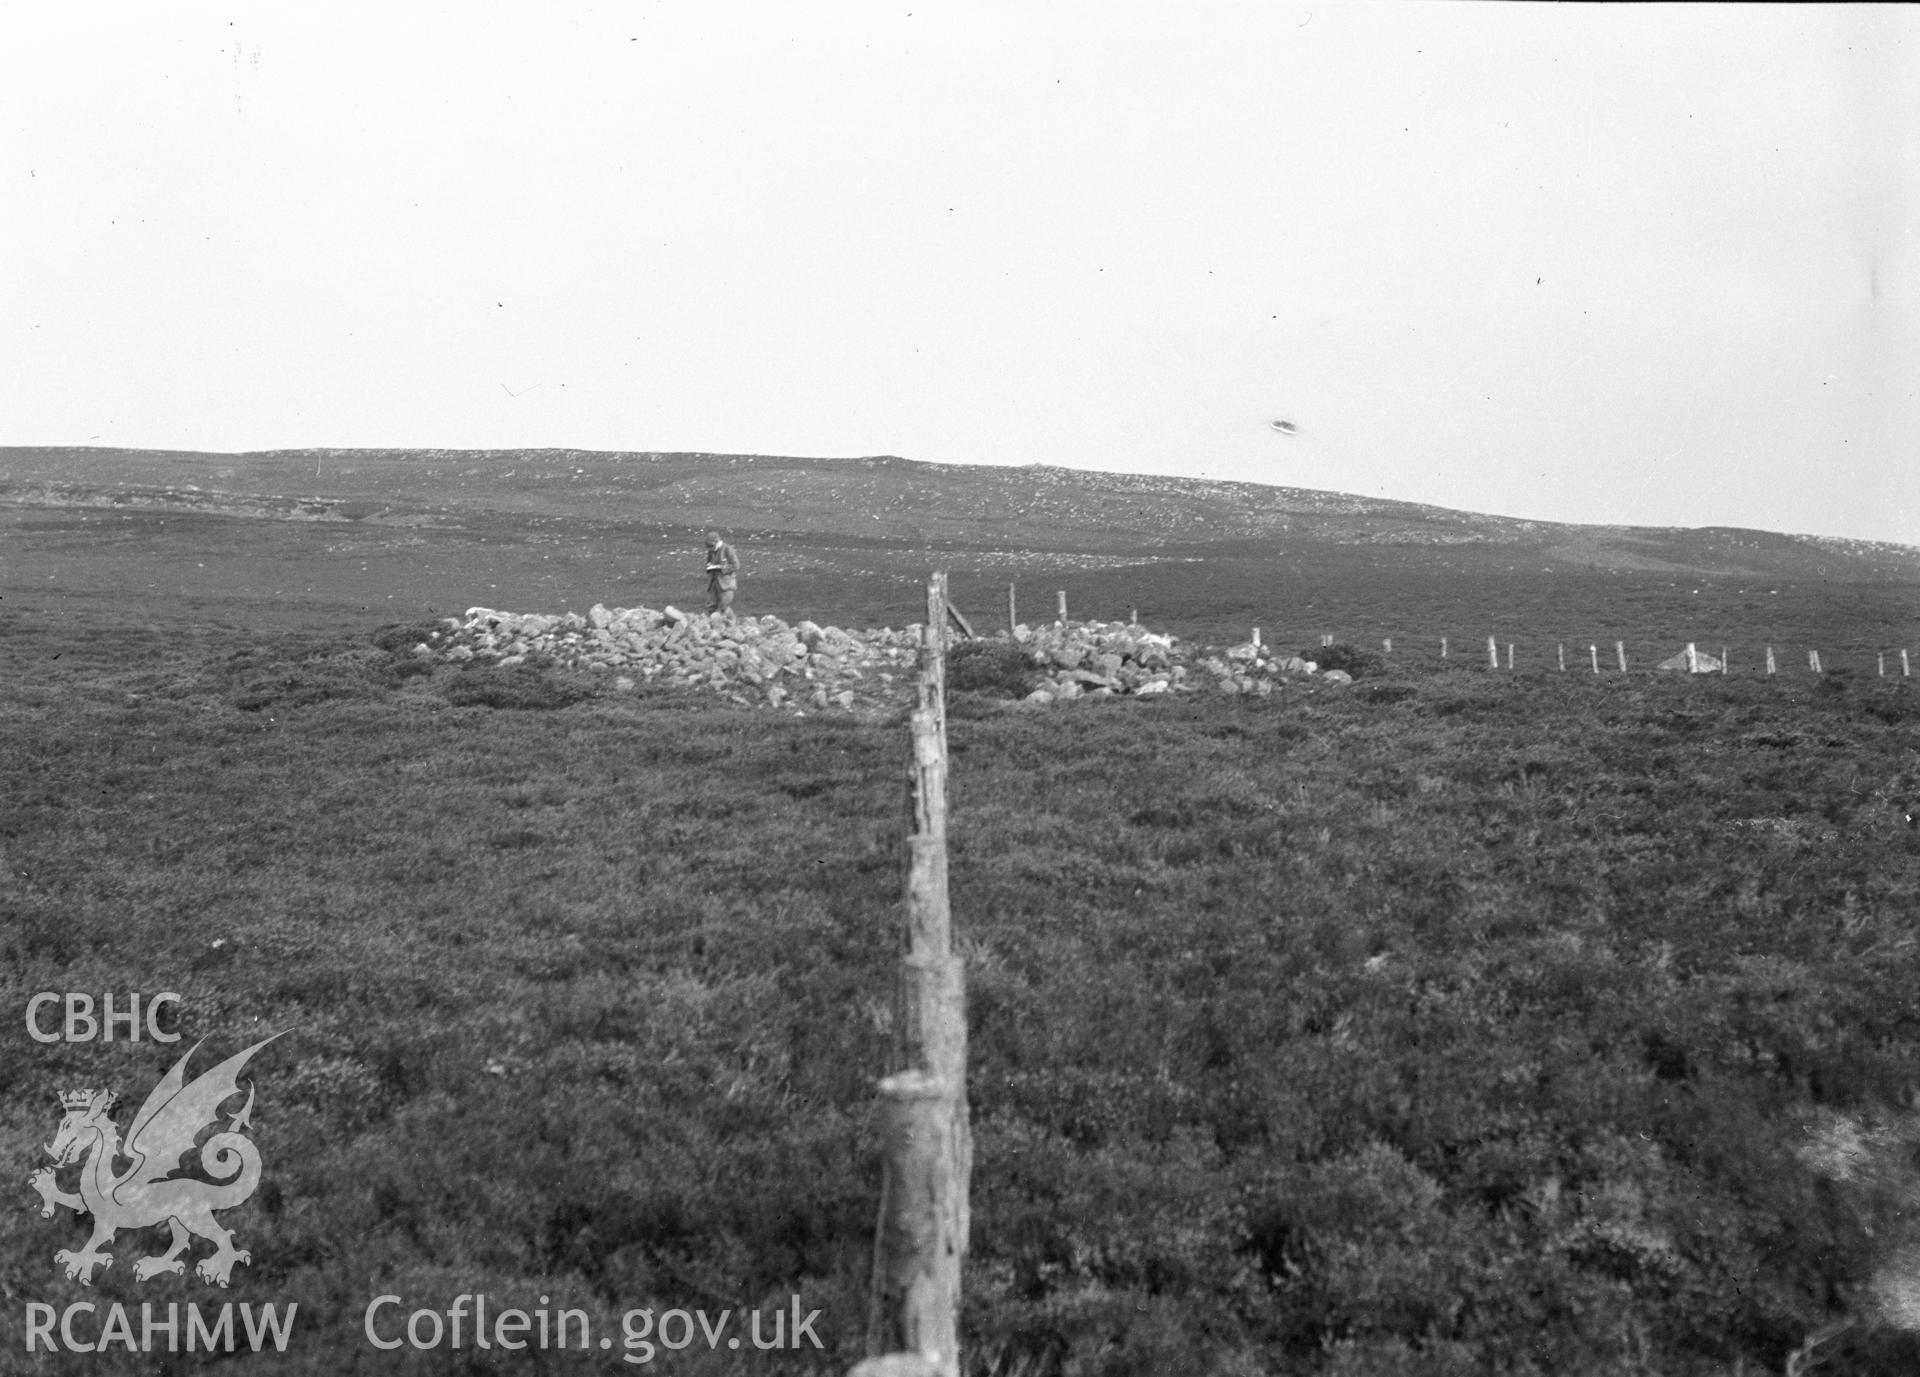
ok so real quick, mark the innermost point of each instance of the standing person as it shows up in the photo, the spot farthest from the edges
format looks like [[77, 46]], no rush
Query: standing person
[[723, 575]]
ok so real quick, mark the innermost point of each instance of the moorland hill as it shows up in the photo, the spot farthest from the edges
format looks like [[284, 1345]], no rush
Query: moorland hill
[[883, 498], [1455, 1020], [340, 537]]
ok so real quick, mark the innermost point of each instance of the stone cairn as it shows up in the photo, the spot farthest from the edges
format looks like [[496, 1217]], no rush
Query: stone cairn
[[763, 661], [1103, 659]]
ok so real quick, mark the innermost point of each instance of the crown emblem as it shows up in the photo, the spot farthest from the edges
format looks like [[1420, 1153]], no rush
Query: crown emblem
[[76, 1099]]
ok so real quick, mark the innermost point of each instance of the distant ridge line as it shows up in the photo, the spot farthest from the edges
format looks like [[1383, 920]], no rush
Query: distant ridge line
[[926, 499]]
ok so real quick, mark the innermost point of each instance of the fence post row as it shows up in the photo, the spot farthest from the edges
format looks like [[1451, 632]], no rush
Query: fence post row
[[921, 1237], [1692, 651]]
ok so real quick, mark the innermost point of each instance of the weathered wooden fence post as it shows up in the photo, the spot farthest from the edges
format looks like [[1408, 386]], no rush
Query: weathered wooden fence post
[[1813, 661], [1509, 655], [921, 1239], [1882, 662], [1620, 649], [1013, 618], [931, 689], [1443, 647], [1563, 657], [1693, 659], [1770, 668], [1723, 659], [1593, 653], [1493, 654], [1063, 606], [1386, 646], [1906, 670]]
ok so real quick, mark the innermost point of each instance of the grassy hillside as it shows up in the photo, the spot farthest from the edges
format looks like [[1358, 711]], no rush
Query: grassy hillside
[[1453, 1023], [339, 540], [1457, 1022], [980, 507]]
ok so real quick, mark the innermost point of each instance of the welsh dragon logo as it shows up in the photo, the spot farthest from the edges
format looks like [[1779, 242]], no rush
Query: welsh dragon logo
[[147, 1194]]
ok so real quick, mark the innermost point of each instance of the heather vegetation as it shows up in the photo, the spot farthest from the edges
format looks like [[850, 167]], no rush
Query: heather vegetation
[[1449, 1022]]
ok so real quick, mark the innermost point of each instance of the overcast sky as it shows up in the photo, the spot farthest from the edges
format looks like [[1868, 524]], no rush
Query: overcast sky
[[1638, 264]]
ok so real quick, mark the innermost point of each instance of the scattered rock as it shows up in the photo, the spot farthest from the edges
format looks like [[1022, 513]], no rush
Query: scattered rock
[[765, 661]]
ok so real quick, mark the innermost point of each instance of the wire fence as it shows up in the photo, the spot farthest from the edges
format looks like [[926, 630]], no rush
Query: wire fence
[[1614, 655]]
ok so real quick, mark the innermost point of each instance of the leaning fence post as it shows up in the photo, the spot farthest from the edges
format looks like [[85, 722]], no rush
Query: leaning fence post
[[1813, 661], [921, 1238]]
